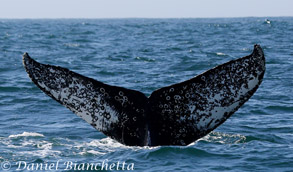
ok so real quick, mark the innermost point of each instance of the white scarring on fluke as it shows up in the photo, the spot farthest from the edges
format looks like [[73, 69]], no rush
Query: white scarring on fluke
[[174, 115]]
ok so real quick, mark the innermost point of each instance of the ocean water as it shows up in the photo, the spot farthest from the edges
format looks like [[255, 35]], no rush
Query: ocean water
[[144, 54]]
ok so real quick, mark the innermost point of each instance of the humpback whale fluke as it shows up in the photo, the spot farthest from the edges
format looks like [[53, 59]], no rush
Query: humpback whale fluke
[[177, 114]]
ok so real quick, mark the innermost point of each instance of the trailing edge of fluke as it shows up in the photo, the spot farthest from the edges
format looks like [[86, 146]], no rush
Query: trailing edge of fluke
[[178, 114]]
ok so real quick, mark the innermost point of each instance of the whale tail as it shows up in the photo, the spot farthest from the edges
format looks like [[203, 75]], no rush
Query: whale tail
[[174, 115]]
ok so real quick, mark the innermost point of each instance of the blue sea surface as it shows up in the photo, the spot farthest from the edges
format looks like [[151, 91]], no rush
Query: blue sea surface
[[144, 55]]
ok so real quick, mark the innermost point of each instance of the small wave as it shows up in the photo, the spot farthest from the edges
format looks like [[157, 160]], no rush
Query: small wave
[[10, 89], [284, 108], [100, 147], [220, 54], [41, 153], [145, 59], [94, 152], [106, 144], [72, 45], [30, 146], [97, 147], [27, 134], [39, 148], [217, 137], [166, 151]]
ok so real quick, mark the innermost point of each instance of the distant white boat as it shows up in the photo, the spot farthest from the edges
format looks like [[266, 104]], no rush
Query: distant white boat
[[268, 21]]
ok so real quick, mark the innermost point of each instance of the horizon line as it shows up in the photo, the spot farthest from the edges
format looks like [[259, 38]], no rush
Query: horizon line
[[223, 17]]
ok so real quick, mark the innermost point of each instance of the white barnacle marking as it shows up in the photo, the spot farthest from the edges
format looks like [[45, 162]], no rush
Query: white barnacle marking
[[80, 102], [191, 109], [177, 97], [218, 112], [52, 70], [168, 98]]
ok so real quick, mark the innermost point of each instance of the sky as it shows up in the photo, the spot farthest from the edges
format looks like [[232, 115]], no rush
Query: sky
[[144, 8]]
